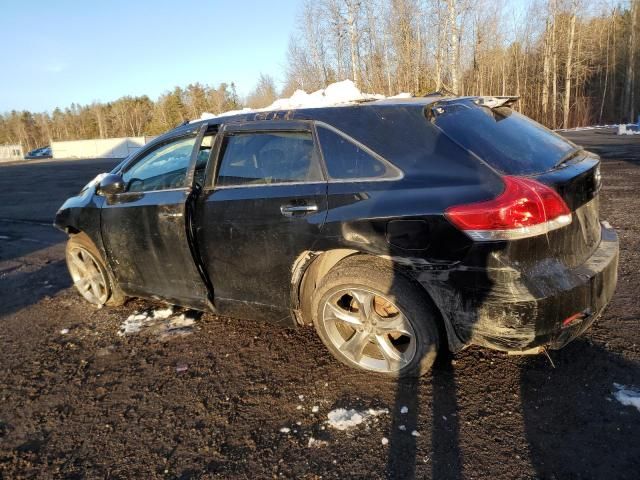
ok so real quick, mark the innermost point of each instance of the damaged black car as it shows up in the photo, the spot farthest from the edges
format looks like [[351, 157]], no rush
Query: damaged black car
[[395, 227]]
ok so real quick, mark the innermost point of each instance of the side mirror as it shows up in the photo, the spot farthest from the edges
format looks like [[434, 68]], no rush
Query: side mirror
[[110, 185]]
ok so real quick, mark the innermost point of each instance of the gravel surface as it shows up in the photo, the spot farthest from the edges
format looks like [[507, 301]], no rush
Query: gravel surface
[[227, 398]]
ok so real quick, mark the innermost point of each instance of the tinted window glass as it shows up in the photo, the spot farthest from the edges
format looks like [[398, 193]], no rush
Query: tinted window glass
[[265, 158], [506, 140], [345, 159], [203, 158], [163, 168]]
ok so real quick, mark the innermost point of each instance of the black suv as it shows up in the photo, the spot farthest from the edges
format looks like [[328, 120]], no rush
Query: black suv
[[393, 226]]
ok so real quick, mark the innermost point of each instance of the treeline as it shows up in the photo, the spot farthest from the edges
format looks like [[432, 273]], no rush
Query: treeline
[[572, 62], [127, 116]]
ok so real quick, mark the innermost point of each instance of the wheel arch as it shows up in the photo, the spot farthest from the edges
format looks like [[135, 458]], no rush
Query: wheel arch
[[312, 266]]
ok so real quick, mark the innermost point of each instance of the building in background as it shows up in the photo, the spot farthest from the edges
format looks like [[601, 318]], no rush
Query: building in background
[[99, 147], [11, 153]]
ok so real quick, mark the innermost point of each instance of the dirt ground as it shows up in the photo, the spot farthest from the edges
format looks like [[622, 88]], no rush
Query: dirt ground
[[78, 400]]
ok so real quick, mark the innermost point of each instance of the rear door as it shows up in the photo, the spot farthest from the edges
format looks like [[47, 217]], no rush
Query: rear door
[[144, 228], [266, 206]]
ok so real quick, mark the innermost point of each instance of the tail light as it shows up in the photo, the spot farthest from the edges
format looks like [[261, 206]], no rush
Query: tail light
[[525, 208]]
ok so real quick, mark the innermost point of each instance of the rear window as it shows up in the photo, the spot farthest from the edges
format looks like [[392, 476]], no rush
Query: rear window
[[506, 140], [346, 160]]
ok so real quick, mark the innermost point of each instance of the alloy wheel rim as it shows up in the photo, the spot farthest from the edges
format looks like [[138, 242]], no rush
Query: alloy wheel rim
[[369, 329], [87, 276]]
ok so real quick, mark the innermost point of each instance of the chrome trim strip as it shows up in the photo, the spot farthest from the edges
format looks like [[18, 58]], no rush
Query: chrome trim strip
[[278, 184], [520, 232], [155, 191]]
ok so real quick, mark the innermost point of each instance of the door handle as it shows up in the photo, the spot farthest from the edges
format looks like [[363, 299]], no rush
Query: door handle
[[169, 215], [291, 210]]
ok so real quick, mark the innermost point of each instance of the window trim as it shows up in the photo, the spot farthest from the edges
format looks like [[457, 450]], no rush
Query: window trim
[[175, 189], [277, 184], [263, 129], [399, 174]]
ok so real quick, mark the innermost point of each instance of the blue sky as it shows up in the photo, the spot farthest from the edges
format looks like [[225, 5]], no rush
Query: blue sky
[[56, 52]]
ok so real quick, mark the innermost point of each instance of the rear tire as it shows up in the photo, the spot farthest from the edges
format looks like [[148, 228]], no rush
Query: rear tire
[[373, 317], [89, 273]]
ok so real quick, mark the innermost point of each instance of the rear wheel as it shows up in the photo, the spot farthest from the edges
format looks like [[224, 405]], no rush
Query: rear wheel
[[89, 273], [374, 318]]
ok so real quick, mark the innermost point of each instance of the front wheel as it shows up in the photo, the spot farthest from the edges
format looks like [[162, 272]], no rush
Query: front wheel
[[89, 273], [372, 317]]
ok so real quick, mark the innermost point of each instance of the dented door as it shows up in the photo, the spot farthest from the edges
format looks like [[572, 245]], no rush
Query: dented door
[[267, 206], [144, 229]]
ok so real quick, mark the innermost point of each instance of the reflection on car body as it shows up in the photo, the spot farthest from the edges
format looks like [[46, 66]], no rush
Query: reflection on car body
[[393, 226]]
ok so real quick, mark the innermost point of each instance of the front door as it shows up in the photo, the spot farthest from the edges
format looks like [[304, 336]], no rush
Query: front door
[[144, 230], [267, 205]]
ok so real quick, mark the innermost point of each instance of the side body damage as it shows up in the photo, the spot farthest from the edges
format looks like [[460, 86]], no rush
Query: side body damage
[[233, 250]]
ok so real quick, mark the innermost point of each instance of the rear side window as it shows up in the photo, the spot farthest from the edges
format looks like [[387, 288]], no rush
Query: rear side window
[[511, 143], [346, 159], [268, 157]]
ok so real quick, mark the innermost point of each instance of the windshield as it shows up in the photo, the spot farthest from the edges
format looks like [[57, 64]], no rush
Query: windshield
[[511, 143]]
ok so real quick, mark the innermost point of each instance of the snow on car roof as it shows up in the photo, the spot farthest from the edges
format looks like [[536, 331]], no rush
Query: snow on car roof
[[337, 94]]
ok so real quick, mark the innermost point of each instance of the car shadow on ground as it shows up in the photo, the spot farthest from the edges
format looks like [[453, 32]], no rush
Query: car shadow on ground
[[21, 289], [574, 426], [445, 457]]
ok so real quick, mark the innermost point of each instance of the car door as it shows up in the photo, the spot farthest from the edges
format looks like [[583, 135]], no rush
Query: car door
[[267, 205], [144, 228]]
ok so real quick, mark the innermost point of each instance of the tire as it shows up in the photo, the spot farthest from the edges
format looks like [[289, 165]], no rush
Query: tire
[[89, 273], [365, 296]]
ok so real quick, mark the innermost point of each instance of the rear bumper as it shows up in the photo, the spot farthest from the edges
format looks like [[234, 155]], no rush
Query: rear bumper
[[515, 310]]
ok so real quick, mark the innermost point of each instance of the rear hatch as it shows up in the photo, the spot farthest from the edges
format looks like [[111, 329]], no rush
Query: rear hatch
[[515, 145]]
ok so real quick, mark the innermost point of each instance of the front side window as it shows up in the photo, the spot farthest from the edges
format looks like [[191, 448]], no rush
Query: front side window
[[268, 157], [348, 160], [161, 169]]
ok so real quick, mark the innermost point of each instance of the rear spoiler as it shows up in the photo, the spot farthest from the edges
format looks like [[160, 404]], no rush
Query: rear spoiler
[[437, 108], [494, 102]]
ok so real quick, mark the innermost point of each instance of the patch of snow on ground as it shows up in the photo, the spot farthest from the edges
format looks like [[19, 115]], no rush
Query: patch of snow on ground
[[133, 323], [343, 419], [630, 129], [162, 322], [627, 396], [315, 443], [339, 93], [578, 129], [181, 321], [163, 312]]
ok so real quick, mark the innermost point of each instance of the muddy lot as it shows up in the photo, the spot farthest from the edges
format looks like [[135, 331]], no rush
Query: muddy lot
[[225, 398]]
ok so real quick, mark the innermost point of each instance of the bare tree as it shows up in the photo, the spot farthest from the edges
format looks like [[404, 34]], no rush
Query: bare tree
[[628, 108], [264, 94], [454, 46], [569, 65]]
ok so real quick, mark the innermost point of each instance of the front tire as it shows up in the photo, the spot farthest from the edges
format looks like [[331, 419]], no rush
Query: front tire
[[373, 317], [89, 273]]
